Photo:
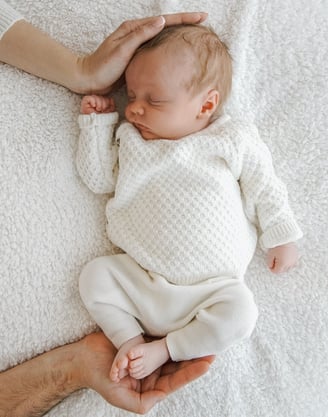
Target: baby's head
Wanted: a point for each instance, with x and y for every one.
(178, 82)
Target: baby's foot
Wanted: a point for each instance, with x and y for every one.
(146, 357)
(120, 366)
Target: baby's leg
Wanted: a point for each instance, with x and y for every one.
(230, 319)
(145, 358)
(121, 363)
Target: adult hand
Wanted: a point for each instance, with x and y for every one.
(139, 396)
(102, 70)
(35, 386)
(30, 49)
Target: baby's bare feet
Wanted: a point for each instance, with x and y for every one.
(120, 366)
(145, 358)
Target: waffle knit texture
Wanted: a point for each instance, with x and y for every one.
(186, 209)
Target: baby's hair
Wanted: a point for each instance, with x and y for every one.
(212, 61)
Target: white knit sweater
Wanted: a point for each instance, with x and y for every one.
(186, 209)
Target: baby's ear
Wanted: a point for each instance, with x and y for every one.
(210, 104)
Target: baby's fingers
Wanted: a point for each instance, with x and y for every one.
(88, 104)
(278, 266)
(108, 105)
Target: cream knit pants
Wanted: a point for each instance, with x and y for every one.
(198, 320)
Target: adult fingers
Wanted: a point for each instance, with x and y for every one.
(155, 23)
(131, 34)
(130, 26)
(146, 28)
(190, 17)
(190, 371)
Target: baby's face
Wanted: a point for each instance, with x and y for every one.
(160, 106)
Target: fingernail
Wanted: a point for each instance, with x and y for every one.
(159, 22)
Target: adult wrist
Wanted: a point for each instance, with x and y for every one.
(80, 79)
(89, 79)
(37, 385)
(67, 370)
(84, 80)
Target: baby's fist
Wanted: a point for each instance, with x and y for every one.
(97, 104)
(282, 258)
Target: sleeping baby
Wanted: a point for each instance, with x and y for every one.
(191, 190)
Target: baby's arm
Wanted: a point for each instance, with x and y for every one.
(97, 155)
(282, 258)
(266, 201)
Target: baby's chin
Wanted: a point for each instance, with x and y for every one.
(148, 135)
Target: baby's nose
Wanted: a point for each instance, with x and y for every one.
(136, 108)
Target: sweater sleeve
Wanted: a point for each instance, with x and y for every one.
(97, 154)
(8, 16)
(265, 196)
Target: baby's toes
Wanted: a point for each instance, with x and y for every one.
(137, 372)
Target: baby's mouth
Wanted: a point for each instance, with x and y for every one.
(140, 126)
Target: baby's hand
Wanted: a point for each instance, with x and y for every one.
(97, 104)
(282, 258)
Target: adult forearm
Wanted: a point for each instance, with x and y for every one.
(33, 388)
(28, 48)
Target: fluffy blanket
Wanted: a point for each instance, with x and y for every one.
(51, 224)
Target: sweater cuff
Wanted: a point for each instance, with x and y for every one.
(9, 16)
(280, 235)
(94, 119)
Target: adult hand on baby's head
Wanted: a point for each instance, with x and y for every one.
(101, 71)
(97, 104)
(282, 258)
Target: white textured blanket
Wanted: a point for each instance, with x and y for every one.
(51, 224)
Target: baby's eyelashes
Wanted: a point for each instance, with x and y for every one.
(156, 102)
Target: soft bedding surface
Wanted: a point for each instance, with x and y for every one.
(51, 224)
